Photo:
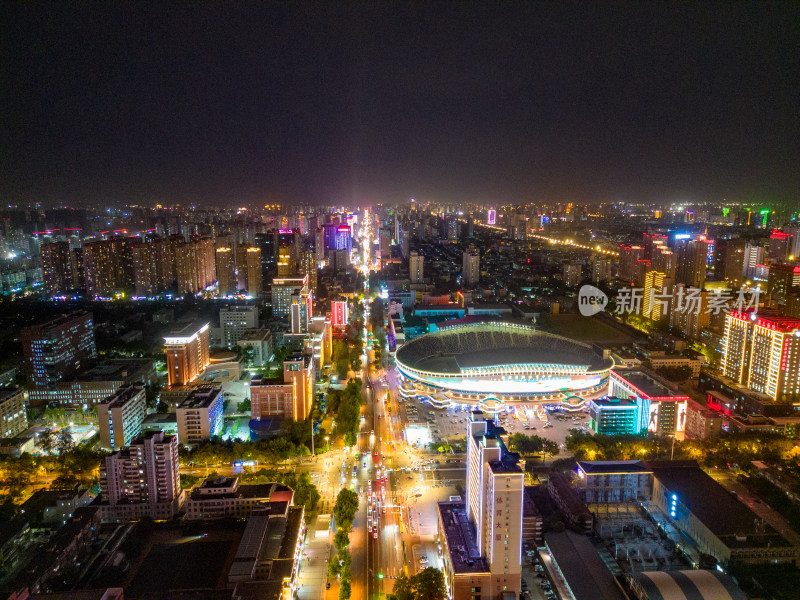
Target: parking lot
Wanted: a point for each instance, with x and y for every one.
(449, 423)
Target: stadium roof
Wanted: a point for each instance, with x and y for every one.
(685, 585)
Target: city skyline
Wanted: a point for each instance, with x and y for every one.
(357, 105)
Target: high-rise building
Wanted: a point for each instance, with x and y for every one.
(337, 237)
(415, 267)
(774, 367)
(308, 267)
(491, 530)
(628, 257)
(301, 311)
(142, 480)
(226, 272)
(736, 345)
(56, 267)
(286, 264)
(152, 267)
(195, 268)
(59, 348)
(729, 260)
(650, 241)
(187, 352)
(199, 416)
(691, 263)
(385, 239)
(283, 288)
(453, 228)
(235, 321)
(689, 311)
(663, 260)
(572, 273)
(253, 266)
(780, 244)
(656, 296)
(471, 267)
(781, 279)
(601, 269)
(794, 248)
(13, 417)
(753, 256)
(101, 268)
(405, 239)
(120, 416)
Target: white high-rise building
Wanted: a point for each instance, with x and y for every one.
(142, 480)
(471, 265)
(753, 255)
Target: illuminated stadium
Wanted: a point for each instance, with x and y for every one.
(491, 363)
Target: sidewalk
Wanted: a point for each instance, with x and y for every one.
(312, 573)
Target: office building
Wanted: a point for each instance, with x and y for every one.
(235, 321)
(491, 521)
(57, 349)
(729, 260)
(188, 355)
(283, 289)
(226, 272)
(689, 310)
(572, 274)
(385, 241)
(471, 267)
(774, 366)
(340, 313)
(225, 498)
(416, 267)
(628, 257)
(337, 237)
(93, 385)
(120, 416)
(736, 345)
(692, 259)
(663, 409)
(13, 418)
(780, 281)
(617, 416)
(142, 480)
(702, 422)
(289, 396)
(199, 416)
(258, 347)
(56, 267)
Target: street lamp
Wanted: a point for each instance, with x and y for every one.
(326, 442)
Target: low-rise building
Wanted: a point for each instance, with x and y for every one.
(577, 568)
(617, 416)
(173, 395)
(701, 421)
(717, 523)
(225, 497)
(120, 416)
(258, 346)
(290, 396)
(466, 571)
(605, 481)
(569, 501)
(532, 521)
(199, 416)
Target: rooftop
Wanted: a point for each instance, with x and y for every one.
(202, 398)
(123, 395)
(648, 383)
(461, 538)
(713, 505)
(115, 369)
(597, 467)
(583, 569)
(700, 584)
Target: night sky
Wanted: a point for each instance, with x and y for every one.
(303, 103)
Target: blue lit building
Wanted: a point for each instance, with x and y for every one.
(200, 416)
(615, 416)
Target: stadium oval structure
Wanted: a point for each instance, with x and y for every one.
(476, 363)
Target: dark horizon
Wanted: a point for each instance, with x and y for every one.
(328, 104)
